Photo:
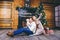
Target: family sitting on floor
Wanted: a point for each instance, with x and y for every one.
(33, 27)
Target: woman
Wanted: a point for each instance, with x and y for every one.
(30, 29)
(39, 26)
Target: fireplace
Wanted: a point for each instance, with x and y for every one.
(23, 14)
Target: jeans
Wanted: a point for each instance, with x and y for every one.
(25, 30)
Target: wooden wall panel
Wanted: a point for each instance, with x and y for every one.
(16, 3)
(34, 3)
(19, 3)
(5, 15)
(49, 10)
(14, 16)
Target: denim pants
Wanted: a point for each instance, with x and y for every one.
(25, 30)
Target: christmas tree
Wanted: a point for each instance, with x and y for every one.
(40, 10)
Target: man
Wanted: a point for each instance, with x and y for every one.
(30, 29)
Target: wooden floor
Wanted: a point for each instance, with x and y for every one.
(3, 36)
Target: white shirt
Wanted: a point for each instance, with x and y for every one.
(32, 27)
(40, 28)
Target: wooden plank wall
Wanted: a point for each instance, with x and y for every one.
(49, 10)
(5, 14)
(16, 3)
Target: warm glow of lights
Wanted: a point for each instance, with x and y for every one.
(5, 13)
